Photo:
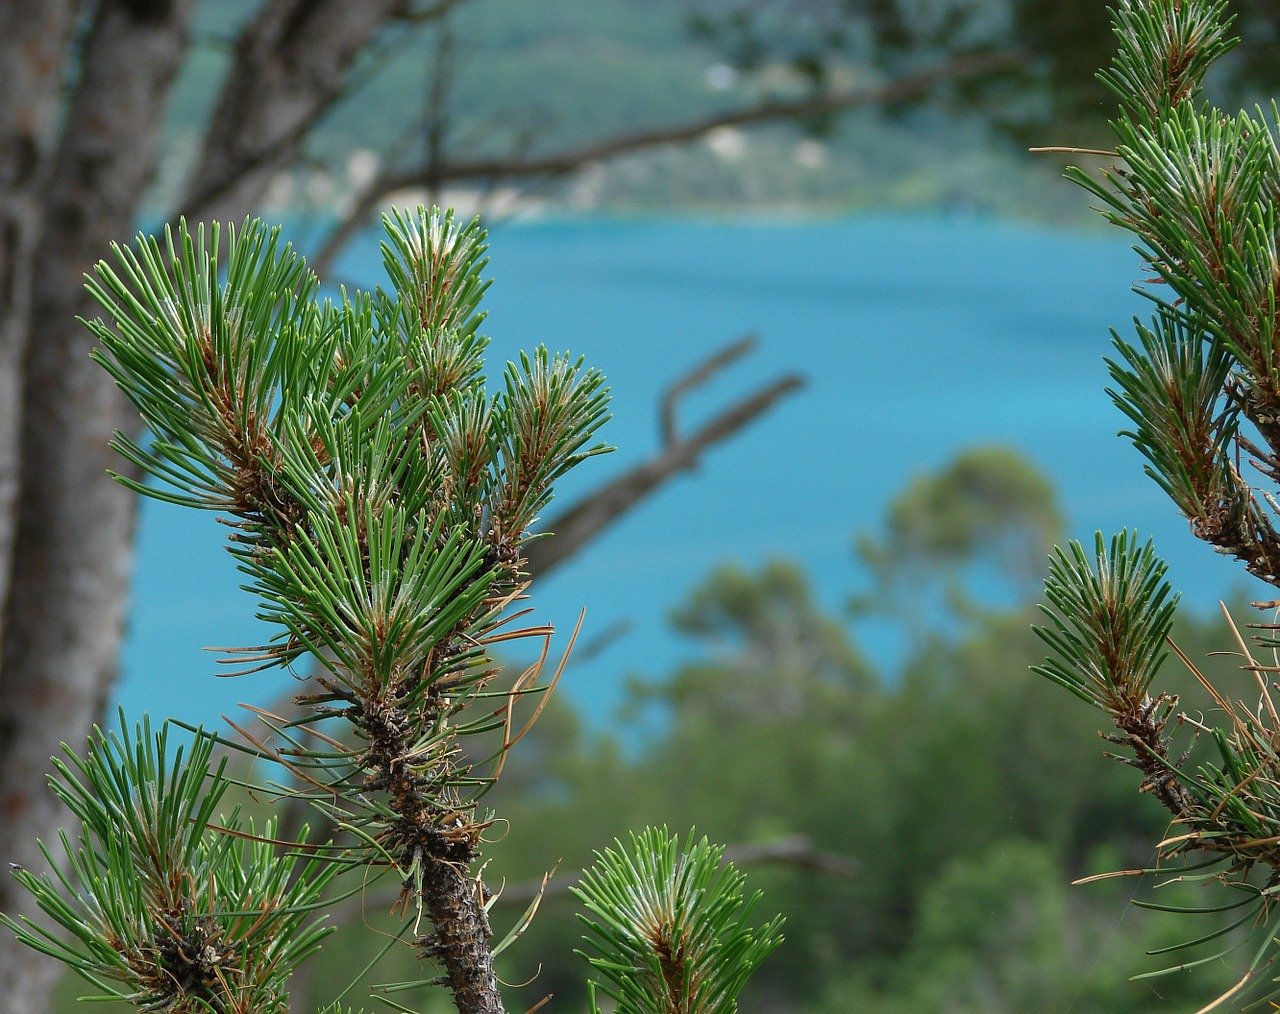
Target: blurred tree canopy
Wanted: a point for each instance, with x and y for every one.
(961, 793)
(943, 784)
(989, 509)
(1060, 46)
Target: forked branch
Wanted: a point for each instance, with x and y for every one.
(581, 523)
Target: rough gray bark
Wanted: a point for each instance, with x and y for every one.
(74, 540)
(460, 940)
(33, 46)
(291, 63)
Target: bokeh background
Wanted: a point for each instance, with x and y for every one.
(811, 638)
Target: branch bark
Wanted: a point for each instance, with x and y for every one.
(695, 378)
(578, 525)
(904, 89)
(794, 850)
(291, 63)
(73, 548)
(34, 37)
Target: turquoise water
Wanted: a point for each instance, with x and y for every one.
(919, 337)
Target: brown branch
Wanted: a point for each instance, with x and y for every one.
(439, 95)
(361, 210)
(695, 378)
(291, 63)
(276, 92)
(433, 125)
(239, 155)
(1236, 523)
(904, 89)
(585, 520)
(795, 850)
(432, 12)
(603, 641)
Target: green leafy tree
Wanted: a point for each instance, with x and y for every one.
(952, 766)
(1197, 187)
(989, 513)
(379, 499)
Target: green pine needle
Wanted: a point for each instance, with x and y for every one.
(167, 901)
(668, 926)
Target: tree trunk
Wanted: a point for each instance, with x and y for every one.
(74, 540)
(33, 44)
(291, 63)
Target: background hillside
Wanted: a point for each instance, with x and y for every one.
(536, 76)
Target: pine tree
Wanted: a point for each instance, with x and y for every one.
(379, 500)
(1200, 383)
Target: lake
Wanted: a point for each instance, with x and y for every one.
(919, 336)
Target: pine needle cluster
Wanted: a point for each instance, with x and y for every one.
(1200, 383)
(668, 927)
(379, 500)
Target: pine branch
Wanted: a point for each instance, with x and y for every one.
(1201, 388)
(380, 501)
(1108, 626)
(170, 903)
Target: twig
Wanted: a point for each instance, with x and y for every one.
(696, 377)
(568, 160)
(794, 850)
(582, 522)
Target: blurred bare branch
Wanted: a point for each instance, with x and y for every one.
(696, 377)
(522, 166)
(603, 641)
(794, 850)
(585, 520)
(290, 64)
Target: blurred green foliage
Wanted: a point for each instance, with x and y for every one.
(966, 793)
